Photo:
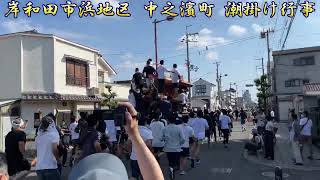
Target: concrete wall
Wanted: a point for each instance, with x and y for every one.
(285, 70)
(61, 50)
(10, 68)
(122, 91)
(38, 64)
(284, 109)
(197, 103)
(29, 108)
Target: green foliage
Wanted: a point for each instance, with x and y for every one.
(109, 98)
(263, 86)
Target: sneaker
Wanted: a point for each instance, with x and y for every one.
(182, 173)
(298, 164)
(198, 161)
(171, 173)
(192, 163)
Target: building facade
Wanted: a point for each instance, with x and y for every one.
(48, 74)
(292, 69)
(204, 95)
(229, 98)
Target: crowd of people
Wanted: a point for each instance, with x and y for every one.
(264, 139)
(159, 122)
(263, 135)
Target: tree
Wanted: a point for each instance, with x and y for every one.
(109, 98)
(263, 93)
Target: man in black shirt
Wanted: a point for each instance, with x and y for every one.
(15, 147)
(236, 113)
(149, 73)
(210, 123)
(137, 78)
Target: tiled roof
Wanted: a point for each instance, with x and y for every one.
(311, 89)
(59, 97)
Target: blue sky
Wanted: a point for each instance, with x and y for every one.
(127, 42)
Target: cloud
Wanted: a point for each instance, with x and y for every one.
(212, 55)
(205, 31)
(129, 61)
(12, 26)
(257, 28)
(205, 38)
(237, 30)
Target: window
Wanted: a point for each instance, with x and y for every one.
(201, 89)
(77, 73)
(296, 82)
(304, 61)
(101, 77)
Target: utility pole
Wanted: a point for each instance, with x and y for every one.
(218, 79)
(188, 57)
(262, 65)
(266, 34)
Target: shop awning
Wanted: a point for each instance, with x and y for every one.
(311, 89)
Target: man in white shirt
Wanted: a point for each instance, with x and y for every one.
(175, 76)
(188, 133)
(199, 126)
(47, 150)
(173, 138)
(225, 122)
(306, 133)
(272, 114)
(146, 135)
(161, 70)
(182, 97)
(74, 138)
(157, 127)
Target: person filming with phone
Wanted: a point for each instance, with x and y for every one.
(100, 166)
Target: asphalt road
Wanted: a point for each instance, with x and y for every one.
(225, 164)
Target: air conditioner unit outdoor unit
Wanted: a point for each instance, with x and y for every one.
(93, 91)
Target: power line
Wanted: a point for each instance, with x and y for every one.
(289, 27)
(216, 45)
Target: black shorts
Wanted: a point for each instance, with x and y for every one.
(161, 85)
(191, 141)
(135, 170)
(157, 149)
(175, 85)
(185, 152)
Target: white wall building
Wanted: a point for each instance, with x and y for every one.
(47, 72)
(229, 98)
(203, 95)
(247, 101)
(293, 69)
